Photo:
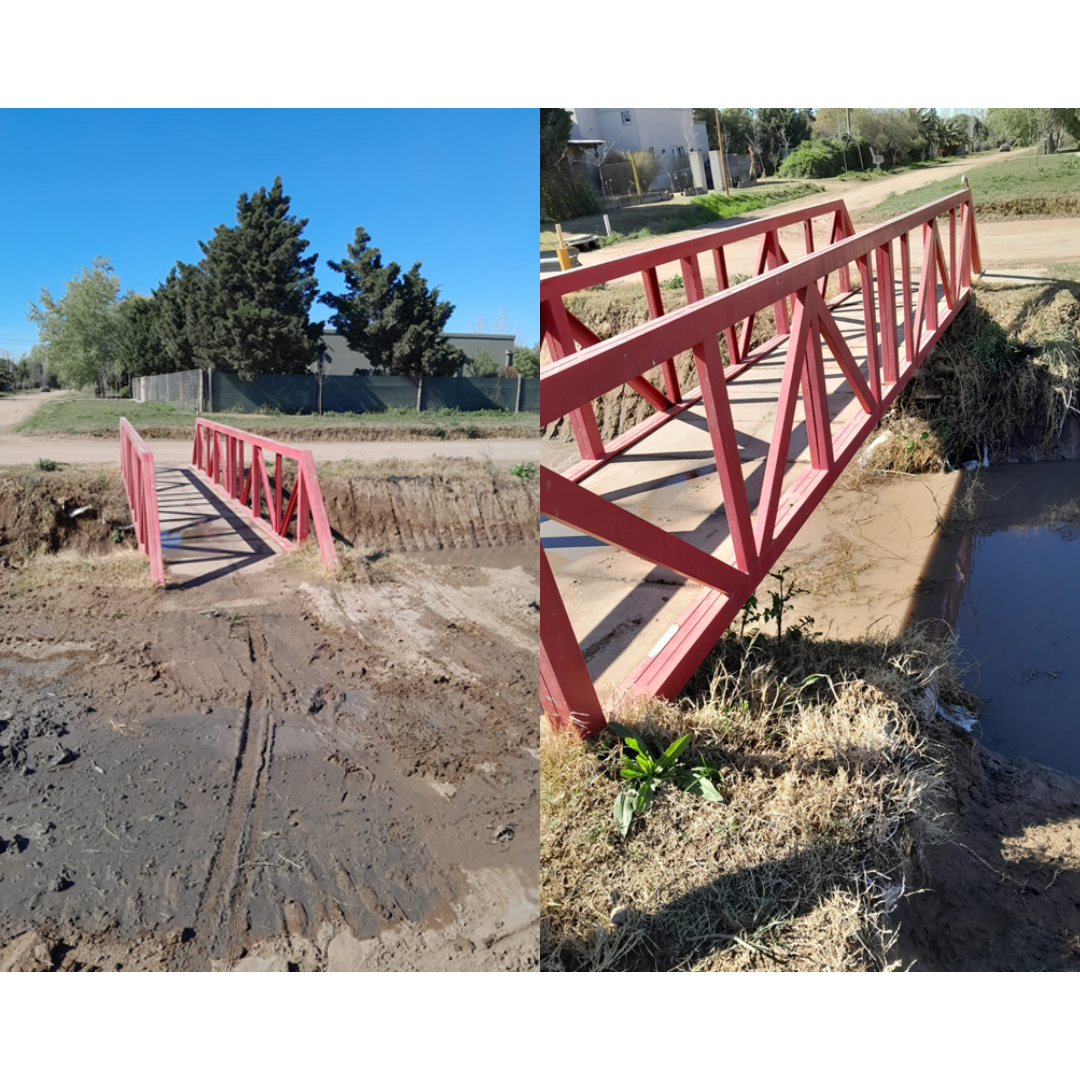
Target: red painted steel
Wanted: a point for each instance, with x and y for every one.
(219, 454)
(563, 332)
(571, 383)
(137, 467)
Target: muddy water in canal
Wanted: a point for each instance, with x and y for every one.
(996, 555)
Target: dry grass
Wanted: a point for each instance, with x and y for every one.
(1004, 379)
(120, 570)
(831, 789)
(437, 469)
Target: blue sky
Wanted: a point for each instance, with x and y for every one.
(453, 189)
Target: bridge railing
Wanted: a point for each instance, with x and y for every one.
(235, 463)
(137, 468)
(898, 340)
(563, 332)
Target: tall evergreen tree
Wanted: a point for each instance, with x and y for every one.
(395, 320)
(249, 311)
(139, 344)
(177, 314)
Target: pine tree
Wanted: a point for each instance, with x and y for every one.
(177, 314)
(249, 311)
(396, 321)
(140, 350)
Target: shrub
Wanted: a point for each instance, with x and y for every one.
(820, 158)
(564, 196)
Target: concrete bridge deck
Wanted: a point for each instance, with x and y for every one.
(202, 536)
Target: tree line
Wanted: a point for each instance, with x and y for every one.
(245, 308)
(816, 143)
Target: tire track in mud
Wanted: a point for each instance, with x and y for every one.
(220, 919)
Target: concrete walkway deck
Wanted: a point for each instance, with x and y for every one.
(202, 536)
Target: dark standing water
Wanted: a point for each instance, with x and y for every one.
(1013, 595)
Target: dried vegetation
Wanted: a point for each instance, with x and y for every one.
(832, 783)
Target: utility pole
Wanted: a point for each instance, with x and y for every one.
(720, 147)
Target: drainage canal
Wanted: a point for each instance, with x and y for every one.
(1010, 585)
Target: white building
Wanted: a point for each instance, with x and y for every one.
(670, 134)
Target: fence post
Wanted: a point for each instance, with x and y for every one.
(517, 396)
(420, 392)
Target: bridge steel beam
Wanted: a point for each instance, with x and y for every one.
(575, 379)
(219, 454)
(137, 468)
(563, 332)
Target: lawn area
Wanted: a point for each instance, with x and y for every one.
(1029, 185)
(681, 212)
(98, 417)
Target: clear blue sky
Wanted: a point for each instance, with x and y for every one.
(454, 190)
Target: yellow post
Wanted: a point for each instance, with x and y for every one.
(633, 165)
(561, 249)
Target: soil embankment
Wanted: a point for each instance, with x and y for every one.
(465, 507)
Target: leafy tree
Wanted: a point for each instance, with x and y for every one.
(484, 364)
(526, 362)
(555, 125)
(31, 369)
(81, 328)
(1025, 127)
(776, 131)
(247, 308)
(393, 319)
(891, 133)
(736, 125)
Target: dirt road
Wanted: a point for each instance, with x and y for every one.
(1028, 244)
(83, 450)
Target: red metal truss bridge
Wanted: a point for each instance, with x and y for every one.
(653, 542)
(216, 517)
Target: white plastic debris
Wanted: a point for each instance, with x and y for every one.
(883, 437)
(958, 715)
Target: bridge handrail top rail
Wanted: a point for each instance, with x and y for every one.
(582, 277)
(128, 428)
(259, 441)
(639, 347)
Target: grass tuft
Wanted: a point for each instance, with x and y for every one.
(831, 787)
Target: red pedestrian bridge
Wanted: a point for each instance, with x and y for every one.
(232, 509)
(653, 542)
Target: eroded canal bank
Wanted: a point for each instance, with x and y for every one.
(994, 555)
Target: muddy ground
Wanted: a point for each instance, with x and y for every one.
(1003, 893)
(277, 770)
